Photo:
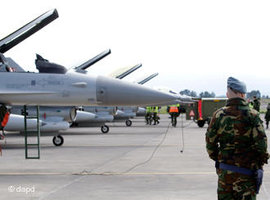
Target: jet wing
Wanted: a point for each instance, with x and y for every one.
(27, 30)
(123, 72)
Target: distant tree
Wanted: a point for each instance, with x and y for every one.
(188, 93)
(253, 93)
(207, 94)
(193, 94)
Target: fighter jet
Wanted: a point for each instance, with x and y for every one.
(58, 118)
(55, 85)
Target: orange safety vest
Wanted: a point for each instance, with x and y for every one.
(173, 109)
(5, 120)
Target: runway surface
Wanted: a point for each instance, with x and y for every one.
(135, 163)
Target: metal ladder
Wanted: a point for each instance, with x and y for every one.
(29, 146)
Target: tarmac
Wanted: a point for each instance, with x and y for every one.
(139, 162)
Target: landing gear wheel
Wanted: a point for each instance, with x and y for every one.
(58, 140)
(105, 129)
(128, 122)
(201, 123)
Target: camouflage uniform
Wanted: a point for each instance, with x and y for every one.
(256, 104)
(267, 116)
(236, 137)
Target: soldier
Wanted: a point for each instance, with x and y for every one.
(236, 141)
(267, 115)
(256, 103)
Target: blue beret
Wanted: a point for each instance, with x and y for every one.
(236, 85)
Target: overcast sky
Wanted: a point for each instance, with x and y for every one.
(193, 44)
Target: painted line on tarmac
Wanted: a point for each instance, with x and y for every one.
(127, 145)
(145, 173)
(107, 173)
(7, 146)
(31, 174)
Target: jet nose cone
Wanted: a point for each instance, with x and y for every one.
(120, 93)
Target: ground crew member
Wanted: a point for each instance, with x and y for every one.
(4, 116)
(267, 115)
(256, 103)
(148, 115)
(174, 112)
(250, 103)
(236, 141)
(155, 115)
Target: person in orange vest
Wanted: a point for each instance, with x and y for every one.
(4, 116)
(174, 112)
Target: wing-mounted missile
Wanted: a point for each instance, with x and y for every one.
(27, 30)
(144, 80)
(82, 68)
(44, 66)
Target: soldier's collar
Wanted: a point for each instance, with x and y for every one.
(236, 101)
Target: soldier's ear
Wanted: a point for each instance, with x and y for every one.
(242, 95)
(227, 94)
